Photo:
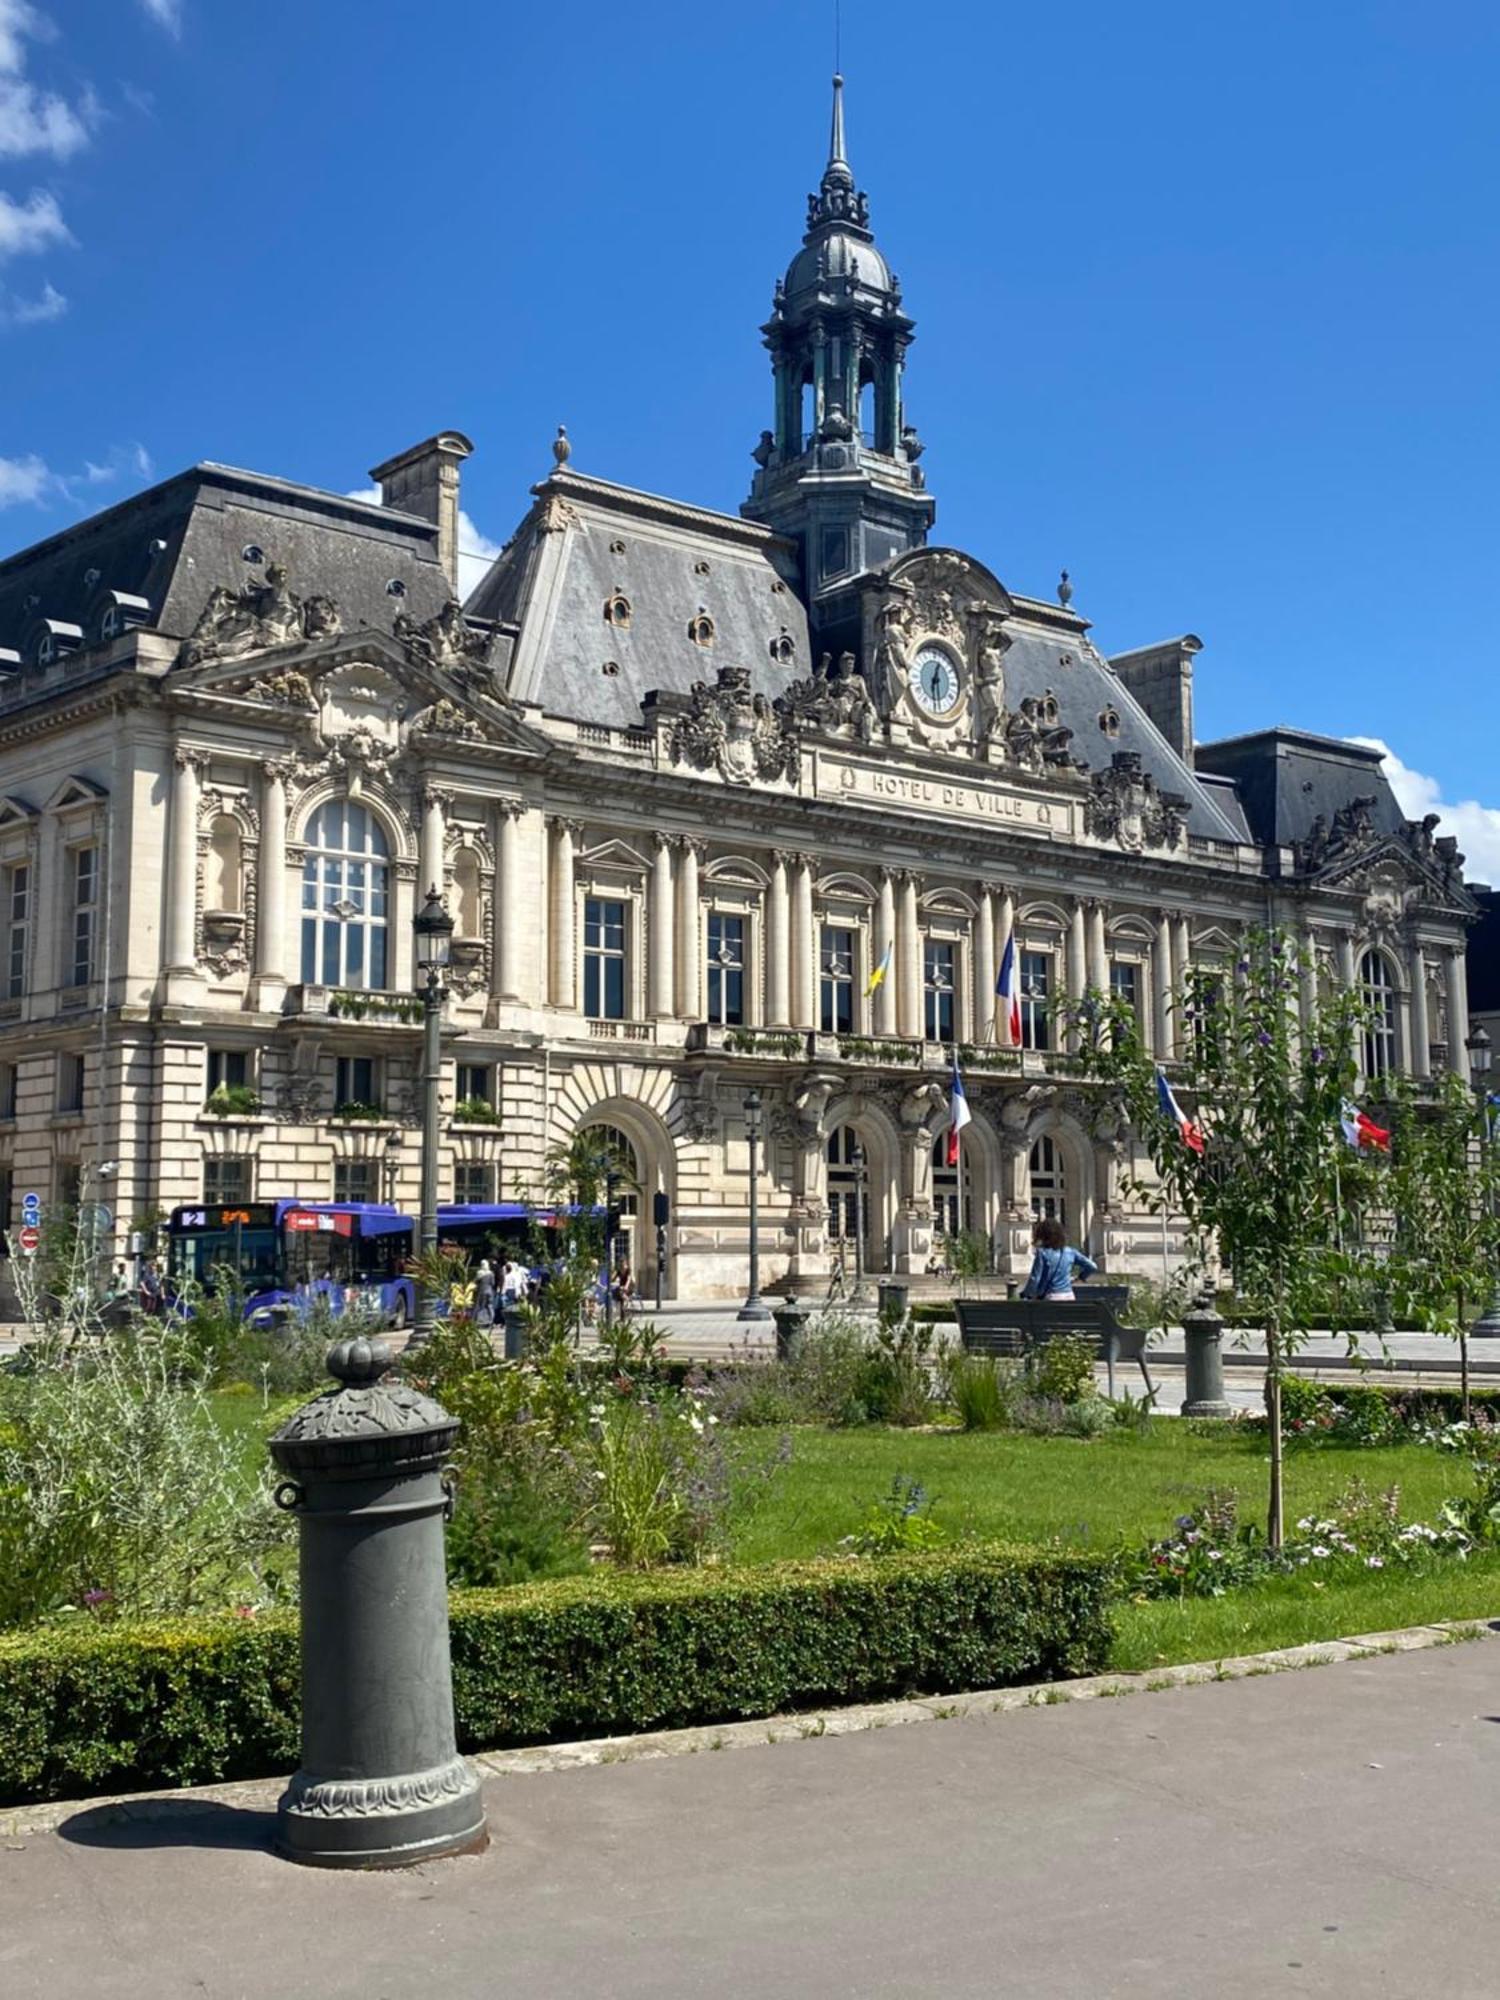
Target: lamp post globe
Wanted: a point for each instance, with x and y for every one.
(755, 1307)
(1480, 1052)
(432, 933)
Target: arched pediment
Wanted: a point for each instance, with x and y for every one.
(847, 888)
(736, 872)
(947, 903)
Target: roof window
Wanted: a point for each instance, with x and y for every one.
(617, 611)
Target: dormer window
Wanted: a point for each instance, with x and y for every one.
(617, 611)
(701, 628)
(1109, 721)
(121, 612)
(783, 649)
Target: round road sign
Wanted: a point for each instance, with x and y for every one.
(30, 1238)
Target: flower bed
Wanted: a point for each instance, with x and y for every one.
(191, 1701)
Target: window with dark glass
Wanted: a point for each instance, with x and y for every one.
(948, 1217)
(1049, 1187)
(225, 1178)
(228, 1069)
(85, 899)
(70, 1081)
(937, 982)
(356, 1080)
(345, 898)
(1378, 992)
(17, 910)
(836, 963)
(9, 1079)
(354, 1180)
(726, 969)
(604, 959)
(1036, 992)
(846, 1193)
(69, 1183)
(473, 1180)
(476, 1084)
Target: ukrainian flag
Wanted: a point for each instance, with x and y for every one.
(880, 971)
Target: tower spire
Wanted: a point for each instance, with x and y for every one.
(837, 157)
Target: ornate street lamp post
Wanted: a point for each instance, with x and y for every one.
(754, 1307)
(1487, 1326)
(433, 930)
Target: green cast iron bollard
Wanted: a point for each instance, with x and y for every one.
(1203, 1391)
(381, 1783)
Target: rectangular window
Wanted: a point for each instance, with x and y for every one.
(937, 984)
(70, 1080)
(476, 1084)
(225, 1179)
(85, 900)
(228, 1069)
(7, 1198)
(9, 1078)
(356, 1080)
(354, 1180)
(1125, 984)
(69, 1183)
(1036, 991)
(473, 1181)
(17, 911)
(726, 969)
(603, 959)
(836, 963)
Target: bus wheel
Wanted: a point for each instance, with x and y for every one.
(398, 1316)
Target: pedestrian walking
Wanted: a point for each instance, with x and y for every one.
(152, 1296)
(1054, 1264)
(484, 1293)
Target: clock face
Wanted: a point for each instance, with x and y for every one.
(933, 681)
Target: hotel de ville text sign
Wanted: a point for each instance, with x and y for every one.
(973, 801)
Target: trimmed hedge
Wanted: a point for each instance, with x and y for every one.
(194, 1701)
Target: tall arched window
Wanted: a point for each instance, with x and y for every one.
(345, 898)
(948, 1219)
(1049, 1186)
(845, 1175)
(1378, 992)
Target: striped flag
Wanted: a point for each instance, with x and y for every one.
(878, 975)
(1362, 1131)
(959, 1114)
(1192, 1135)
(1008, 989)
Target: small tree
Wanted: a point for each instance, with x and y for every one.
(1441, 1186)
(1264, 1089)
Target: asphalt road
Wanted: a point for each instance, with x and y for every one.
(1329, 1832)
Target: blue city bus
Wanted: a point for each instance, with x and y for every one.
(284, 1254)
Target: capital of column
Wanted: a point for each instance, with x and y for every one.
(690, 844)
(186, 759)
(561, 823)
(439, 796)
(509, 808)
(277, 770)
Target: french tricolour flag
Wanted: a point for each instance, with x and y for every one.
(1361, 1130)
(1008, 988)
(1192, 1135)
(959, 1114)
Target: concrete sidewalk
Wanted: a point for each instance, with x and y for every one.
(1322, 1833)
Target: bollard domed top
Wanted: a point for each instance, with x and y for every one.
(372, 1424)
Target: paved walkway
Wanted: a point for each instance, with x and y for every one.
(1328, 1833)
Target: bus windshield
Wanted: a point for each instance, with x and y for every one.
(252, 1258)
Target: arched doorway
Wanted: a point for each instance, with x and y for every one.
(625, 1163)
(1047, 1166)
(951, 1214)
(848, 1196)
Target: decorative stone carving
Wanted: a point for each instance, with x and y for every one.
(834, 700)
(235, 623)
(1035, 738)
(555, 514)
(288, 689)
(937, 581)
(700, 1118)
(734, 731)
(991, 643)
(808, 1099)
(1354, 835)
(1126, 805)
(446, 718)
(448, 643)
(299, 1098)
(894, 630)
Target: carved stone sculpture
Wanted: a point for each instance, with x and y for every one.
(734, 731)
(834, 700)
(236, 623)
(446, 718)
(1126, 805)
(992, 644)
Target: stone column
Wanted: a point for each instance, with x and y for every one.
(1162, 1019)
(430, 855)
(778, 948)
(182, 912)
(564, 980)
(1421, 1031)
(689, 926)
(1307, 978)
(270, 920)
(984, 968)
(1005, 930)
(509, 903)
(660, 956)
(1344, 947)
(885, 939)
(804, 945)
(1458, 1011)
(908, 956)
(1098, 955)
(1182, 965)
(1076, 970)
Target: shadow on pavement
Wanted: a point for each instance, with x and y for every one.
(171, 1823)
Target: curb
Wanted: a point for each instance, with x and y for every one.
(261, 1794)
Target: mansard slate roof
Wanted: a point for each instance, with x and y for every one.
(587, 544)
(1287, 779)
(172, 544)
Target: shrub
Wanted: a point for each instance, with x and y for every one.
(189, 1703)
(983, 1391)
(1064, 1369)
(892, 1383)
(899, 1520)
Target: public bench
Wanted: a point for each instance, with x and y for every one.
(1022, 1327)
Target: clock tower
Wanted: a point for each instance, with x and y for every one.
(839, 473)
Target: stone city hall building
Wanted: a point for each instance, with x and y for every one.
(686, 781)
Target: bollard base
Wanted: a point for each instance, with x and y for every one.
(382, 1822)
(1209, 1409)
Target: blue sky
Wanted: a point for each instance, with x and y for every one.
(1208, 298)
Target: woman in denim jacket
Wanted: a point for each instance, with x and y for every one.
(1055, 1262)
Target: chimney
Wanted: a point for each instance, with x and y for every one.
(424, 481)
(1161, 679)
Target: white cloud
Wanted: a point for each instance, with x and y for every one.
(49, 304)
(31, 225)
(24, 481)
(31, 482)
(166, 14)
(475, 549)
(1476, 827)
(33, 120)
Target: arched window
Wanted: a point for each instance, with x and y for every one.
(345, 898)
(1378, 992)
(225, 886)
(948, 1219)
(1049, 1185)
(625, 1161)
(845, 1173)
